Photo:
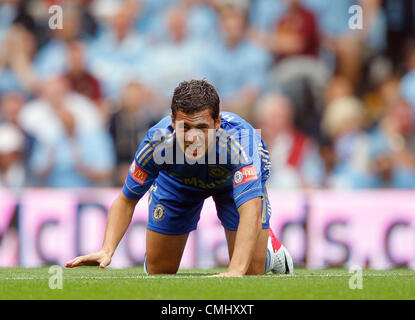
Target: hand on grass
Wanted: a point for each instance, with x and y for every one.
(101, 259)
(227, 275)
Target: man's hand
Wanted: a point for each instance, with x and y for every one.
(100, 258)
(227, 275)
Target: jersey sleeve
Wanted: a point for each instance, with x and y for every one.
(247, 180)
(144, 169)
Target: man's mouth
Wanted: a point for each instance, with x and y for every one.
(194, 150)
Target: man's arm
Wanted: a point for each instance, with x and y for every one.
(247, 235)
(119, 218)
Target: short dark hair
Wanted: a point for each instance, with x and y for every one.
(195, 96)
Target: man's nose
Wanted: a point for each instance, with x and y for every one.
(192, 136)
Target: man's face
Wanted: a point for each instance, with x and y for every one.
(233, 25)
(55, 89)
(195, 132)
(11, 104)
(177, 24)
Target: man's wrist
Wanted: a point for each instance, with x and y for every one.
(236, 273)
(235, 268)
(107, 251)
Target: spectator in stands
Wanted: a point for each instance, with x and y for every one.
(338, 87)
(12, 169)
(341, 45)
(295, 159)
(264, 15)
(80, 78)
(176, 59)
(128, 126)
(408, 81)
(114, 57)
(16, 61)
(296, 33)
(330, 161)
(298, 71)
(341, 123)
(380, 72)
(203, 20)
(399, 16)
(11, 105)
(236, 66)
(8, 12)
(150, 20)
(72, 148)
(52, 57)
(393, 146)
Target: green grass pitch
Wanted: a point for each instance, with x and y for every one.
(132, 283)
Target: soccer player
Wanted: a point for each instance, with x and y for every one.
(195, 153)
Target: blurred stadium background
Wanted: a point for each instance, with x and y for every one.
(336, 107)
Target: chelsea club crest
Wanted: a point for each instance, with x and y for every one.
(159, 212)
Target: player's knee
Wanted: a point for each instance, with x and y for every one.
(256, 268)
(255, 271)
(161, 268)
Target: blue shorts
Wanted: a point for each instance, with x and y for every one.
(179, 213)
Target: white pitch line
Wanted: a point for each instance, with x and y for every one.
(207, 276)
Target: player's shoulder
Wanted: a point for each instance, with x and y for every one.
(231, 121)
(159, 136)
(239, 136)
(160, 130)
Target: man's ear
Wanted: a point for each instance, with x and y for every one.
(172, 121)
(218, 122)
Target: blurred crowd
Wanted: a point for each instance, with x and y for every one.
(335, 103)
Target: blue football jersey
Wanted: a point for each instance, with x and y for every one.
(239, 160)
